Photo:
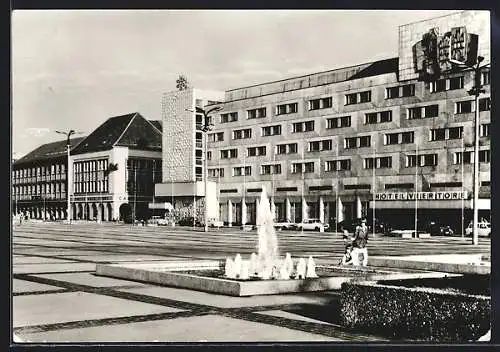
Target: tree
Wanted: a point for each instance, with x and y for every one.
(182, 83)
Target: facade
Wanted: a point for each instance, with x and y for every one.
(385, 137)
(183, 152)
(39, 182)
(114, 170)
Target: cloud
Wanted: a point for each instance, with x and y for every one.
(36, 132)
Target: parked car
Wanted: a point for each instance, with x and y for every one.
(284, 225)
(484, 229)
(311, 225)
(189, 221)
(162, 222)
(439, 229)
(215, 223)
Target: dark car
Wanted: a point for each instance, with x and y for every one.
(188, 221)
(436, 229)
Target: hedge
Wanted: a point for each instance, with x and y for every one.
(423, 314)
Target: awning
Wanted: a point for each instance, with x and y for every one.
(483, 204)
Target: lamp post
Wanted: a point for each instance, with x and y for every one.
(68, 173)
(205, 128)
(475, 91)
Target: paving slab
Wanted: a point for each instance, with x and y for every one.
(38, 260)
(208, 328)
(222, 301)
(19, 286)
(102, 257)
(89, 279)
(61, 307)
(39, 268)
(288, 315)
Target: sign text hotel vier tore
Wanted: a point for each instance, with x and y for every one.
(421, 196)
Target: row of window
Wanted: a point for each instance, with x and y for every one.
(51, 188)
(413, 113)
(438, 134)
(400, 91)
(39, 171)
(368, 163)
(90, 176)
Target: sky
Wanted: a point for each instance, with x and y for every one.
(73, 69)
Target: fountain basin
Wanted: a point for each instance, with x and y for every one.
(201, 275)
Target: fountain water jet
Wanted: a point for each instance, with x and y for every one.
(268, 242)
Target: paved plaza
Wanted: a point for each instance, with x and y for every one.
(57, 297)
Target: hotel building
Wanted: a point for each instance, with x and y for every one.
(342, 143)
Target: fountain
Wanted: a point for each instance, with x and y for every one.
(263, 273)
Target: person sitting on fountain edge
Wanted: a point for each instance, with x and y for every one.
(359, 243)
(348, 242)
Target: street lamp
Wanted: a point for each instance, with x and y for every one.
(205, 128)
(68, 173)
(475, 91)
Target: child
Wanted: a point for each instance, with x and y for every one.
(347, 258)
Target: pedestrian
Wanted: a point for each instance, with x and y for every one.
(348, 243)
(359, 244)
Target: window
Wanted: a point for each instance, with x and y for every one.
(456, 83)
(370, 118)
(438, 134)
(242, 171)
(242, 134)
(359, 186)
(229, 153)
(323, 103)
(338, 122)
(256, 151)
(350, 142)
(308, 126)
(281, 149)
(271, 169)
(338, 165)
(382, 162)
(209, 155)
(229, 117)
(462, 157)
(286, 109)
(407, 90)
(484, 156)
(485, 104)
(385, 116)
(314, 146)
(455, 132)
(378, 117)
(463, 107)
(484, 130)
(399, 186)
(420, 112)
(485, 77)
(297, 127)
(256, 113)
(216, 137)
(303, 167)
(364, 141)
(271, 130)
(392, 92)
(309, 167)
(303, 126)
(286, 148)
(392, 138)
(355, 98)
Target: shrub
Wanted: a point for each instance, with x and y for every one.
(414, 313)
